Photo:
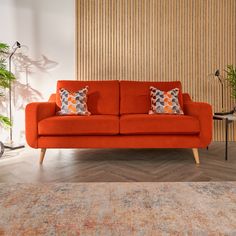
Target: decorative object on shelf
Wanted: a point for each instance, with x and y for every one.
(6, 77)
(231, 78)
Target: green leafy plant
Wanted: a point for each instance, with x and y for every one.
(6, 78)
(231, 78)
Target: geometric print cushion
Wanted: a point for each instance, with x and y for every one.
(74, 103)
(165, 102)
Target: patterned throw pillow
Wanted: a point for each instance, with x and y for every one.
(165, 102)
(74, 103)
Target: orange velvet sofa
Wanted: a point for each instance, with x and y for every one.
(119, 119)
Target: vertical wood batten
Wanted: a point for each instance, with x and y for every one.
(184, 40)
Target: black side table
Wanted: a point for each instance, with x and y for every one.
(228, 119)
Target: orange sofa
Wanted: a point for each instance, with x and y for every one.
(119, 119)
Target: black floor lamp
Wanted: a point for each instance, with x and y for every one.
(11, 143)
(220, 79)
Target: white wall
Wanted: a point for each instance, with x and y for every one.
(46, 29)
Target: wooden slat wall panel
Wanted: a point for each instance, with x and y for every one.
(159, 40)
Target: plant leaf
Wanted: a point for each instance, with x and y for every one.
(231, 78)
(6, 77)
(5, 121)
(4, 48)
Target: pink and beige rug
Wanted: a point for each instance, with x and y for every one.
(118, 209)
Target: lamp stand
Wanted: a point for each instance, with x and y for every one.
(11, 144)
(222, 112)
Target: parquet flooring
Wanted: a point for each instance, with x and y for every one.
(119, 165)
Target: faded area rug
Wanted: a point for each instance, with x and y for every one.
(118, 209)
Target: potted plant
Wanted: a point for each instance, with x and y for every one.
(5, 81)
(231, 78)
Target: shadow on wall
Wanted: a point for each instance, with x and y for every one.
(22, 92)
(25, 64)
(25, 67)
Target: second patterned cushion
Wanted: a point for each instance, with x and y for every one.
(164, 102)
(74, 103)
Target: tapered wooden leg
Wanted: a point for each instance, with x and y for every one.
(42, 154)
(196, 156)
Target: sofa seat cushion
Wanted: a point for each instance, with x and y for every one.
(79, 125)
(158, 124)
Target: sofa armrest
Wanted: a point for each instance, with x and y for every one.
(34, 112)
(52, 98)
(203, 112)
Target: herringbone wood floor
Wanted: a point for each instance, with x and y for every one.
(120, 165)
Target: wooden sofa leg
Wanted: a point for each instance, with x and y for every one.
(196, 155)
(42, 154)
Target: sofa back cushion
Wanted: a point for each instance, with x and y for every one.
(135, 96)
(103, 96)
